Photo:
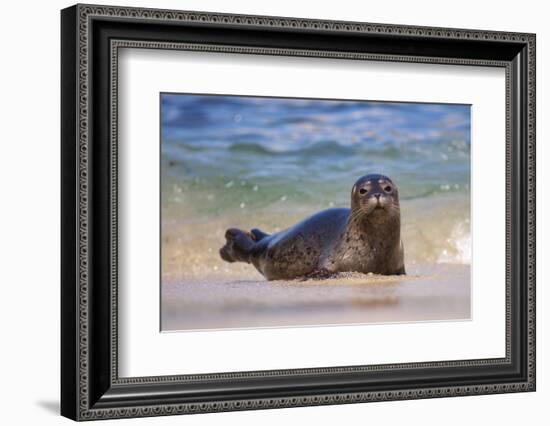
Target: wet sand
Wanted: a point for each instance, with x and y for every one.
(429, 292)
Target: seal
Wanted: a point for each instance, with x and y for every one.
(364, 238)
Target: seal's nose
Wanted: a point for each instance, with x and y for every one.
(377, 196)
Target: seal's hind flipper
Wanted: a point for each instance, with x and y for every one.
(257, 235)
(238, 246)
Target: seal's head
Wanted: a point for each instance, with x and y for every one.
(376, 198)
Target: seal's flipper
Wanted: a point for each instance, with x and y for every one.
(257, 235)
(238, 246)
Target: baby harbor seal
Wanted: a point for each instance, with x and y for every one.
(365, 238)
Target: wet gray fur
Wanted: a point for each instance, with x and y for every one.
(365, 238)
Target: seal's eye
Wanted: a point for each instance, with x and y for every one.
(363, 191)
(387, 188)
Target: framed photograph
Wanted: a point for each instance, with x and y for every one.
(263, 212)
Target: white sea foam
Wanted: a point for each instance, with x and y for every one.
(459, 250)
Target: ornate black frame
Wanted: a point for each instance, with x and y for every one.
(91, 37)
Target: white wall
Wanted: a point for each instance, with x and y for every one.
(29, 212)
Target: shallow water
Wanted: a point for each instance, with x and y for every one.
(266, 162)
(229, 161)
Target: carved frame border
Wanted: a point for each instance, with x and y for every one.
(85, 14)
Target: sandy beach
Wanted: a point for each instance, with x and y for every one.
(427, 293)
(200, 291)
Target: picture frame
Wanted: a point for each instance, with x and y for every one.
(90, 384)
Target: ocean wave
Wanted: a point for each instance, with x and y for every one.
(319, 148)
(271, 162)
(442, 153)
(459, 250)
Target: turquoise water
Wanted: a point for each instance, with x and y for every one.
(247, 157)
